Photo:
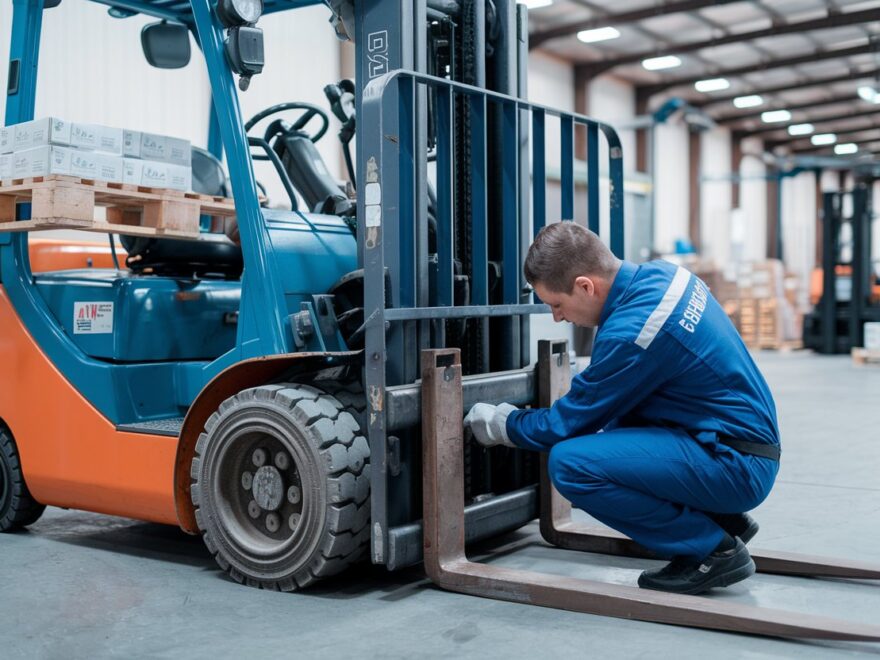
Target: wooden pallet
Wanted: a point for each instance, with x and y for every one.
(63, 202)
(863, 356)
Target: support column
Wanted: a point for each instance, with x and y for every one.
(694, 168)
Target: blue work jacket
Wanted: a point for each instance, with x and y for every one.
(665, 354)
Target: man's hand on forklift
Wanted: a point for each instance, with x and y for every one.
(488, 424)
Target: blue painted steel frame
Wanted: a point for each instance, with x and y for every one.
(389, 151)
(263, 327)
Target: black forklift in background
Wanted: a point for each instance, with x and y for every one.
(850, 294)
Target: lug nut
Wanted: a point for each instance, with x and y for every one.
(293, 521)
(247, 480)
(293, 494)
(253, 509)
(282, 462)
(259, 457)
(273, 522)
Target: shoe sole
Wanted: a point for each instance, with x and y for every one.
(725, 579)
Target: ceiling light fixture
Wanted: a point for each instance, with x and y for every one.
(712, 85)
(846, 148)
(800, 129)
(599, 34)
(823, 139)
(869, 94)
(772, 116)
(751, 101)
(663, 62)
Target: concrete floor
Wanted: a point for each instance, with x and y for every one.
(79, 585)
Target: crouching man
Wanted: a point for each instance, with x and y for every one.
(670, 435)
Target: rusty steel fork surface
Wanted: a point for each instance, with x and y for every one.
(448, 566)
(558, 528)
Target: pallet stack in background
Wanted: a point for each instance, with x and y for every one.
(53, 146)
(761, 299)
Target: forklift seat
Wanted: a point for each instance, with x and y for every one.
(172, 257)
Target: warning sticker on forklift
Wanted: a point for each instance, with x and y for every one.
(92, 318)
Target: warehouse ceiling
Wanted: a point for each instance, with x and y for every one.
(817, 59)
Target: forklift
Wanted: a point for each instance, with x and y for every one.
(848, 292)
(292, 389)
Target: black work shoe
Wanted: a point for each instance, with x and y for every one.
(682, 576)
(737, 524)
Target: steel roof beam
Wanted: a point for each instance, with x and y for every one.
(815, 82)
(656, 88)
(816, 121)
(829, 21)
(539, 37)
(732, 119)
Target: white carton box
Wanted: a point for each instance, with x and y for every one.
(5, 166)
(94, 137)
(131, 143)
(109, 167)
(7, 139)
(42, 161)
(83, 164)
(41, 132)
(872, 335)
(179, 177)
(110, 140)
(154, 174)
(153, 147)
(178, 152)
(132, 171)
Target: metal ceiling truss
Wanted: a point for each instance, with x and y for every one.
(794, 141)
(833, 20)
(776, 89)
(542, 36)
(793, 107)
(816, 121)
(818, 56)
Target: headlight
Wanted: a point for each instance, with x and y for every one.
(239, 12)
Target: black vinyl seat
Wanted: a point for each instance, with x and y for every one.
(171, 257)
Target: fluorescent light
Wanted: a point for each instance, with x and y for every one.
(800, 129)
(536, 4)
(869, 94)
(750, 101)
(772, 116)
(712, 85)
(846, 148)
(663, 62)
(599, 34)
(823, 138)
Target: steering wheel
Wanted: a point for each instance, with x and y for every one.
(309, 111)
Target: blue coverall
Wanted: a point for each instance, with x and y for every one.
(669, 375)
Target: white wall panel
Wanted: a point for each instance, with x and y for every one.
(799, 225)
(715, 195)
(613, 102)
(671, 185)
(92, 69)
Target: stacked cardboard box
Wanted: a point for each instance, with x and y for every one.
(90, 151)
(767, 312)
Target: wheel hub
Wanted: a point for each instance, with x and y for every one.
(268, 488)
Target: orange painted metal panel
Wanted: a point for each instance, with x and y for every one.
(71, 455)
(49, 254)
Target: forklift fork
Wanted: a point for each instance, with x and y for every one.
(448, 566)
(558, 528)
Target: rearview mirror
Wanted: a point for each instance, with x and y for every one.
(166, 45)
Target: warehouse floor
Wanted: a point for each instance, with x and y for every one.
(79, 585)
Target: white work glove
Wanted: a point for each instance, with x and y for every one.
(488, 424)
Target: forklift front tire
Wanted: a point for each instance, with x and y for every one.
(17, 508)
(280, 486)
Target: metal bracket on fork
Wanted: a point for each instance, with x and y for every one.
(448, 566)
(558, 528)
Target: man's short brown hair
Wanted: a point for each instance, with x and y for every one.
(564, 251)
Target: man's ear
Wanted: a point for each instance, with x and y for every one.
(585, 283)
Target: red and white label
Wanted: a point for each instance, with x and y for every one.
(92, 318)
